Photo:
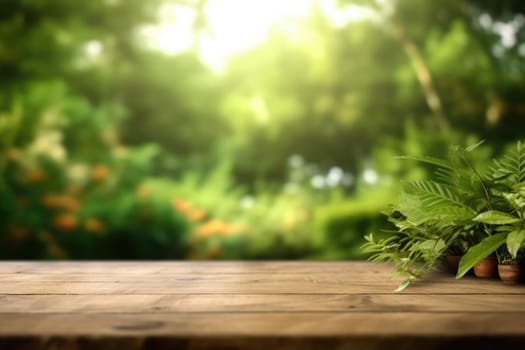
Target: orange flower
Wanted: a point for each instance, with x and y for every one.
(215, 227)
(18, 233)
(65, 222)
(196, 214)
(203, 231)
(99, 172)
(94, 225)
(181, 205)
(70, 204)
(51, 200)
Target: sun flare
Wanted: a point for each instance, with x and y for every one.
(237, 25)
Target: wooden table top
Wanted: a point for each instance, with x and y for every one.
(201, 305)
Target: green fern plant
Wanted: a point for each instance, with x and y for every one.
(477, 213)
(510, 169)
(505, 221)
(413, 248)
(433, 216)
(440, 203)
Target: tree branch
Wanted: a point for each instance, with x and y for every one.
(424, 77)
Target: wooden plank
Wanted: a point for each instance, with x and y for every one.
(192, 267)
(211, 278)
(285, 283)
(323, 277)
(275, 303)
(264, 324)
(271, 300)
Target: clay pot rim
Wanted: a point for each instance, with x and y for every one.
(490, 257)
(454, 256)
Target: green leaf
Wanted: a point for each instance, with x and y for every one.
(514, 241)
(453, 214)
(432, 245)
(518, 186)
(403, 285)
(495, 217)
(515, 199)
(433, 194)
(430, 160)
(512, 163)
(473, 147)
(504, 228)
(480, 251)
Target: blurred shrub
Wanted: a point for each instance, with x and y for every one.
(70, 189)
(227, 223)
(342, 220)
(80, 201)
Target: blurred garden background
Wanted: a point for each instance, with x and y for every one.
(238, 129)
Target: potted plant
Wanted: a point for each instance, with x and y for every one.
(486, 267)
(485, 255)
(504, 221)
(433, 218)
(461, 210)
(509, 269)
(456, 249)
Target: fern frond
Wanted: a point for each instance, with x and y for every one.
(453, 214)
(447, 176)
(433, 195)
(442, 163)
(511, 165)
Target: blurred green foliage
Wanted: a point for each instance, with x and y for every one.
(112, 150)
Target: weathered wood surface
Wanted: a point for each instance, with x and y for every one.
(235, 305)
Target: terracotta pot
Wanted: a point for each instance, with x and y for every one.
(487, 267)
(453, 263)
(509, 273)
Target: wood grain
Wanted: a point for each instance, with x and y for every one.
(193, 267)
(259, 303)
(202, 305)
(288, 282)
(281, 324)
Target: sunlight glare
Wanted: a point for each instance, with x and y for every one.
(93, 48)
(238, 25)
(370, 176)
(174, 34)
